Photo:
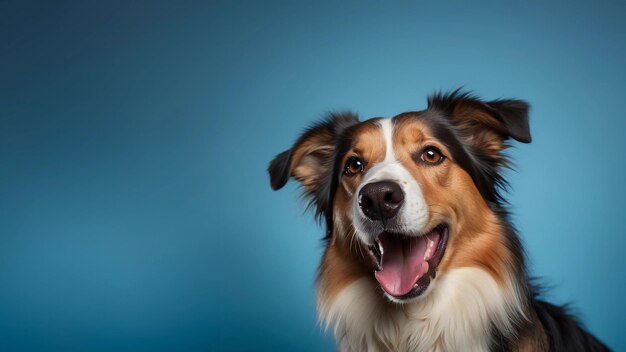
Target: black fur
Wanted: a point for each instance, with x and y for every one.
(321, 197)
(512, 113)
(279, 170)
(483, 167)
(564, 331)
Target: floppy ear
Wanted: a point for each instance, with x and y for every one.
(485, 125)
(310, 160)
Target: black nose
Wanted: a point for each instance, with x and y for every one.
(381, 200)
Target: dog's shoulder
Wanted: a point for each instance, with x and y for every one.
(563, 329)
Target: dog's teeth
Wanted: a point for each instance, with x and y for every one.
(429, 246)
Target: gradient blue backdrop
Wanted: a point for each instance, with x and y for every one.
(135, 210)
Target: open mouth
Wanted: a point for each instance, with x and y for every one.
(407, 264)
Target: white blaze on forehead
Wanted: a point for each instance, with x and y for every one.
(387, 126)
(413, 215)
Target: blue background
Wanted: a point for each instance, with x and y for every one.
(135, 210)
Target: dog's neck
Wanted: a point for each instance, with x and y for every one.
(459, 312)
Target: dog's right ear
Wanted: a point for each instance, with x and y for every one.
(310, 160)
(311, 156)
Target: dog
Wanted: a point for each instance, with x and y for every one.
(420, 254)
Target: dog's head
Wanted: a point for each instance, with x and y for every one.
(411, 196)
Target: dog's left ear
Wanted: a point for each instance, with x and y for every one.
(485, 124)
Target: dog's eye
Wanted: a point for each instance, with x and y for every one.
(354, 166)
(432, 156)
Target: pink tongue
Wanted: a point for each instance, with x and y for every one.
(403, 262)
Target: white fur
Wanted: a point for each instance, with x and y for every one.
(414, 212)
(387, 126)
(455, 315)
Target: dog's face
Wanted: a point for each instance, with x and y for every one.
(410, 197)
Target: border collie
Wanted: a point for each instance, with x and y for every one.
(420, 254)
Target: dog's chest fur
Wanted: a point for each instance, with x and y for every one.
(458, 313)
